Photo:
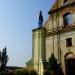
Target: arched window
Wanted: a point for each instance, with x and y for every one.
(65, 1)
(67, 19)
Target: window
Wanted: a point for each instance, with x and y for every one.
(65, 1)
(68, 42)
(67, 18)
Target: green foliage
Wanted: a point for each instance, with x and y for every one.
(19, 72)
(26, 71)
(10, 73)
(52, 62)
(0, 55)
(22, 72)
(46, 72)
(33, 72)
(3, 73)
(54, 66)
(3, 59)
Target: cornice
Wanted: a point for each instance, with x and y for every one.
(62, 7)
(61, 30)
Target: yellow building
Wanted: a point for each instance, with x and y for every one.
(56, 36)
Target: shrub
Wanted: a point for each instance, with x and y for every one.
(33, 72)
(46, 72)
(19, 72)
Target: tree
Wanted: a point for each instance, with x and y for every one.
(0, 55)
(54, 66)
(0, 60)
(52, 62)
(4, 59)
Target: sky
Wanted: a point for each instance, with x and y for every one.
(17, 19)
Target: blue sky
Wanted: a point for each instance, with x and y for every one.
(17, 19)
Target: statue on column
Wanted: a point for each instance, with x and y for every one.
(40, 22)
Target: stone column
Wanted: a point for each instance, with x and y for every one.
(38, 49)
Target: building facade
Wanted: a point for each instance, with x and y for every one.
(56, 36)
